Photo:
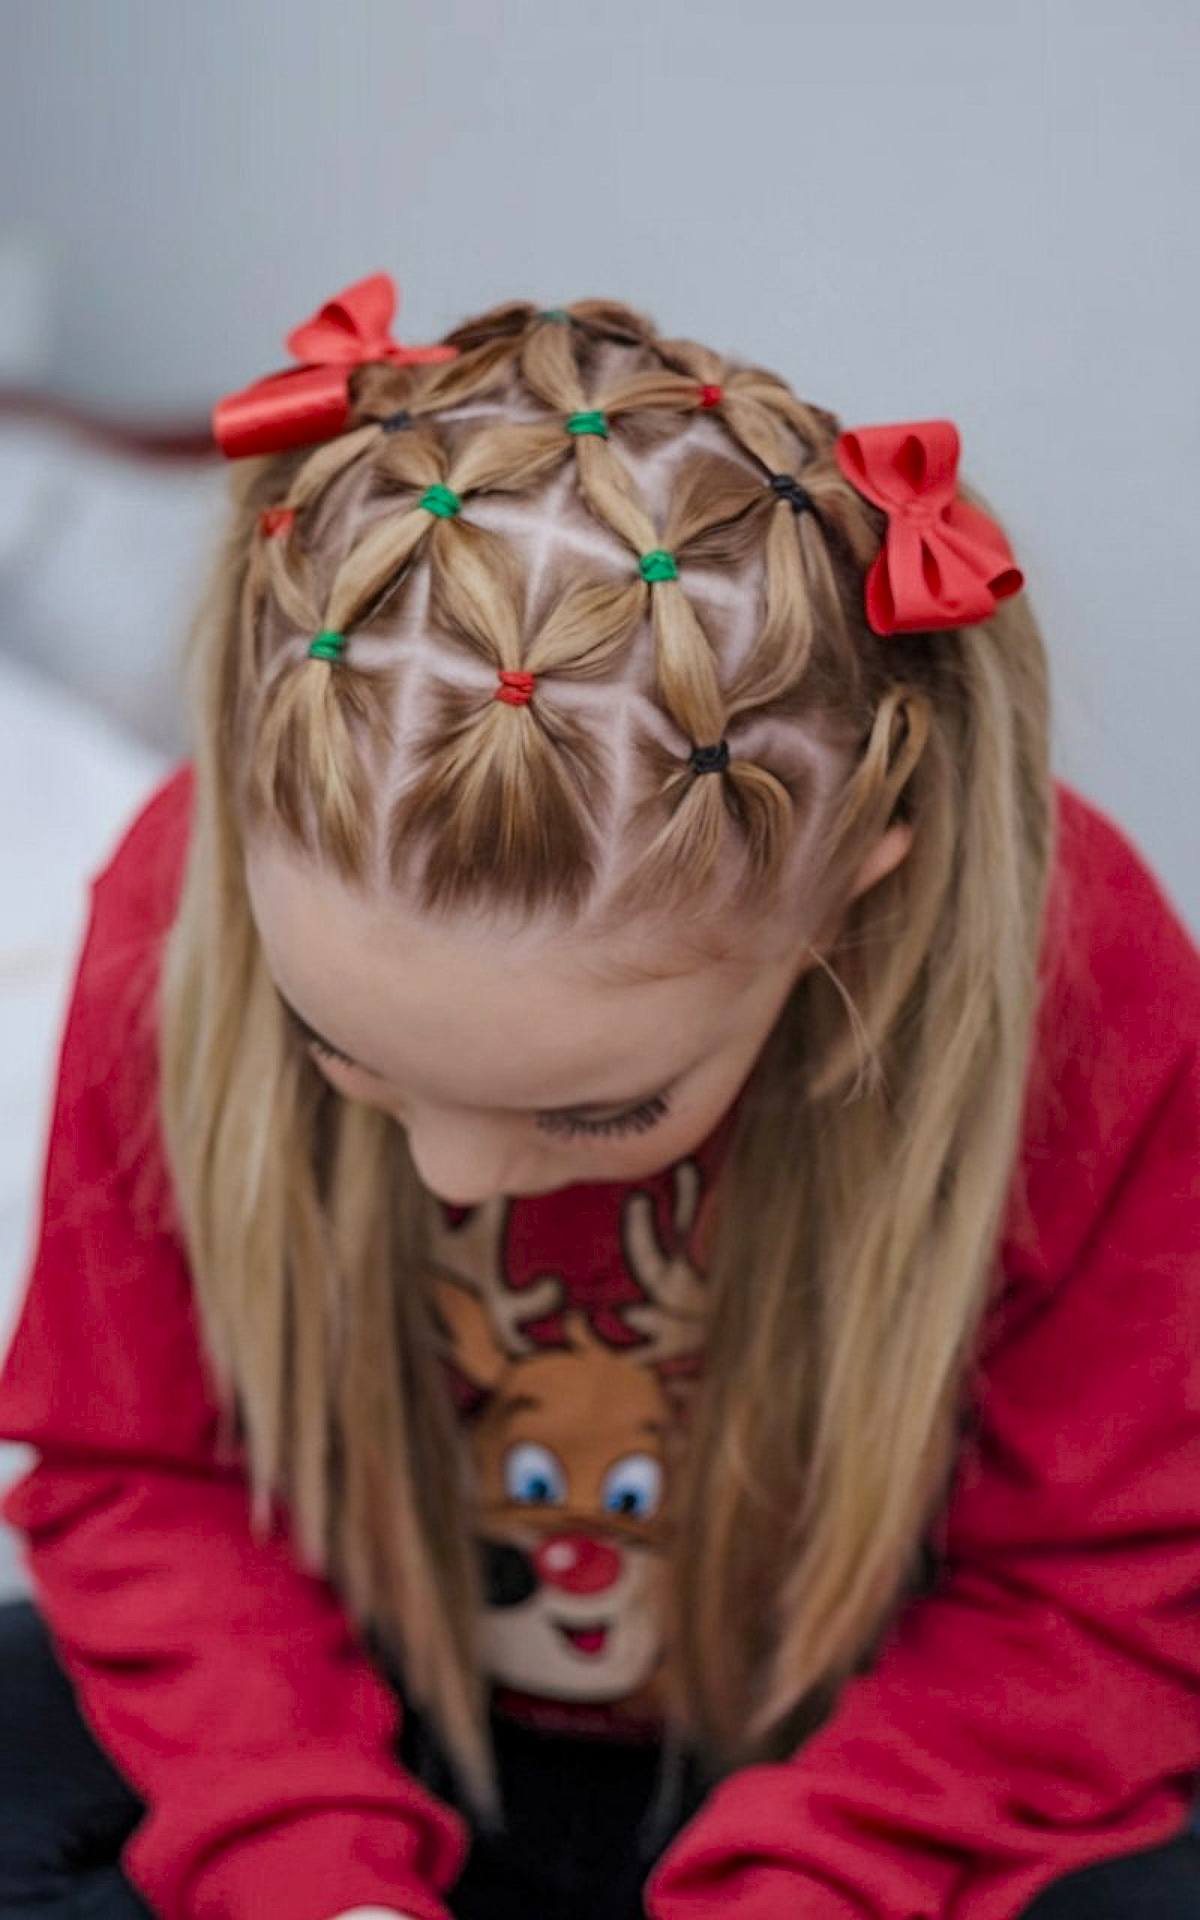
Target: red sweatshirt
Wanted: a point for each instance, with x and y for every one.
(1037, 1710)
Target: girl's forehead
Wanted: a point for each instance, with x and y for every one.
(464, 1010)
(303, 909)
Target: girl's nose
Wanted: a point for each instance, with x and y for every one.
(576, 1563)
(462, 1161)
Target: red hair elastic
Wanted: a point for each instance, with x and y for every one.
(276, 521)
(711, 396)
(944, 563)
(515, 688)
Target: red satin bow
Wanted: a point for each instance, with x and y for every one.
(302, 405)
(944, 563)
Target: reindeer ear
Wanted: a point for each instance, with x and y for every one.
(470, 1342)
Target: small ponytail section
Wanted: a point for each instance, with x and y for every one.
(309, 769)
(506, 793)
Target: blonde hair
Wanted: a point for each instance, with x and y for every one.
(859, 1204)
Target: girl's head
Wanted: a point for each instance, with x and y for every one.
(553, 796)
(551, 946)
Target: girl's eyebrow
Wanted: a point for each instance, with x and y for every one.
(588, 1107)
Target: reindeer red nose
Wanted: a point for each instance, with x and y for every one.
(576, 1563)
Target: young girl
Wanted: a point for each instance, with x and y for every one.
(616, 1320)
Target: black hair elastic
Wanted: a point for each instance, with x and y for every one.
(710, 759)
(396, 422)
(788, 488)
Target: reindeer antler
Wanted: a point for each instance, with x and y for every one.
(472, 1256)
(673, 1318)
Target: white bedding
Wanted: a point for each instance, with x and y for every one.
(69, 781)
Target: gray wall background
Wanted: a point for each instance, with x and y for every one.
(936, 208)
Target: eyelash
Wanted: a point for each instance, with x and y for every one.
(638, 1119)
(569, 1125)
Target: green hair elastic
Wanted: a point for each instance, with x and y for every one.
(327, 645)
(556, 313)
(441, 501)
(596, 423)
(658, 564)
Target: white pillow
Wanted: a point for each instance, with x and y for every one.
(69, 784)
(102, 561)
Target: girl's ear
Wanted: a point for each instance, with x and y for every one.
(886, 854)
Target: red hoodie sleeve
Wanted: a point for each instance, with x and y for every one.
(223, 1680)
(1039, 1710)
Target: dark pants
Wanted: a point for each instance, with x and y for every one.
(577, 1846)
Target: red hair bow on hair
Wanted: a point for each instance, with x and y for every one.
(311, 402)
(944, 563)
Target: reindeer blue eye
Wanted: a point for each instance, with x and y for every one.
(534, 1477)
(633, 1486)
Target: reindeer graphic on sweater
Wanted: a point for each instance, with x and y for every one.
(570, 1447)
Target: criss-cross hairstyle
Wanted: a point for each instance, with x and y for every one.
(505, 406)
